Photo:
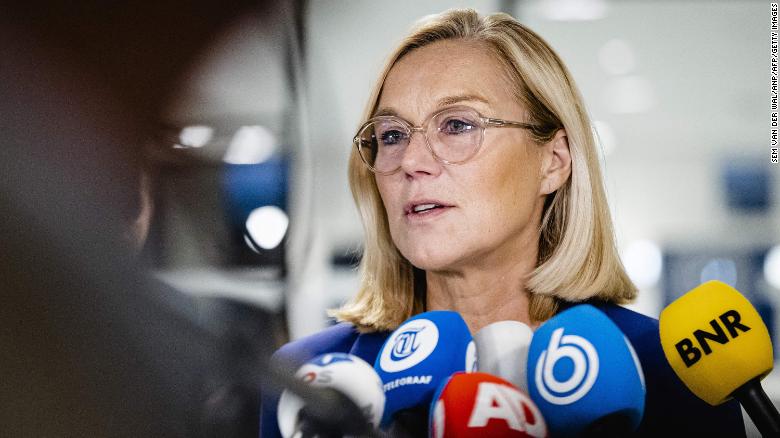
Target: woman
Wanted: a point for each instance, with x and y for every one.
(477, 179)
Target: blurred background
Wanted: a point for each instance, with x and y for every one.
(247, 168)
(251, 172)
(678, 92)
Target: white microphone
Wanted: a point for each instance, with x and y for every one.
(502, 350)
(347, 374)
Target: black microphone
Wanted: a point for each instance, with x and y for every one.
(719, 346)
(332, 395)
(328, 413)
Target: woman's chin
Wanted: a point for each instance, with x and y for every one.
(437, 261)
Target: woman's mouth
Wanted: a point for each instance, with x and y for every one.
(424, 209)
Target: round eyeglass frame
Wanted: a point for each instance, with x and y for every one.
(486, 122)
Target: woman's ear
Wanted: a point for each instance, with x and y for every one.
(556, 163)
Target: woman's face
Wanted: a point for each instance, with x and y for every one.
(488, 208)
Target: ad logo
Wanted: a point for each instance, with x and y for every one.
(500, 402)
(578, 380)
(409, 345)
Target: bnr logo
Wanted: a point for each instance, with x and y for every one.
(585, 361)
(406, 344)
(729, 319)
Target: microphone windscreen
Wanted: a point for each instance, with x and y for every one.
(481, 405)
(417, 356)
(715, 341)
(502, 350)
(581, 369)
(348, 374)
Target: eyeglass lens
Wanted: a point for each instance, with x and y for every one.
(453, 135)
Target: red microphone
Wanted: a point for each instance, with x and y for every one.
(482, 405)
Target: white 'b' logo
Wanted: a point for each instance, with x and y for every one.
(583, 376)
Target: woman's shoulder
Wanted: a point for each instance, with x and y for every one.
(642, 332)
(338, 338)
(628, 319)
(669, 406)
(640, 329)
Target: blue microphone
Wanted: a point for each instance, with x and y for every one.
(584, 375)
(418, 356)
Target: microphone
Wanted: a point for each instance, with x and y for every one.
(584, 375)
(718, 345)
(351, 384)
(502, 350)
(417, 356)
(481, 405)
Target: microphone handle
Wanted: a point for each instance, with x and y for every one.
(309, 426)
(410, 423)
(611, 426)
(759, 407)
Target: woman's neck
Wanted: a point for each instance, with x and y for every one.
(482, 296)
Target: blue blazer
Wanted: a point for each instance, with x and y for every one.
(670, 408)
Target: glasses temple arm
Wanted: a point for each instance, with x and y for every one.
(499, 123)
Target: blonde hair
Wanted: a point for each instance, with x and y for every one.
(577, 257)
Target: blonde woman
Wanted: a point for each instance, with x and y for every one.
(477, 179)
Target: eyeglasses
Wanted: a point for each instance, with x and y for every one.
(453, 136)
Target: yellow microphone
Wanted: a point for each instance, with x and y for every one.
(719, 346)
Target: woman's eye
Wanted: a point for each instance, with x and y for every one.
(457, 126)
(391, 137)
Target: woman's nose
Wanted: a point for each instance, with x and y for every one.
(418, 158)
